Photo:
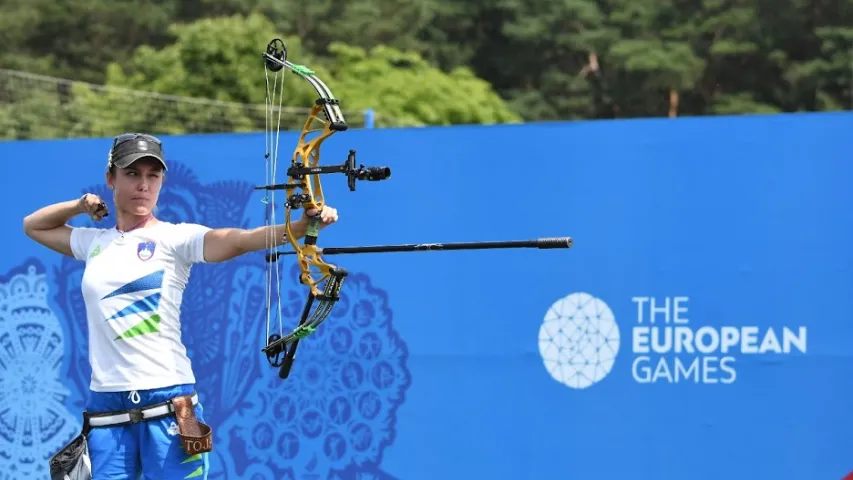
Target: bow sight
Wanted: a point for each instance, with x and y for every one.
(298, 172)
(303, 190)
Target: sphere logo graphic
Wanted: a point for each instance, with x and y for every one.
(579, 340)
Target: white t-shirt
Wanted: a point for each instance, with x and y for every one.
(133, 286)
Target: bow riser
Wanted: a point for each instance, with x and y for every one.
(304, 171)
(309, 195)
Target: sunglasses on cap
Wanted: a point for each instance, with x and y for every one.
(126, 137)
(130, 147)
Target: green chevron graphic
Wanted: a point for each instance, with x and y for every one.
(145, 327)
(198, 471)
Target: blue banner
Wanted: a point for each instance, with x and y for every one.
(700, 327)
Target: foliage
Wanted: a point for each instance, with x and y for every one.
(428, 62)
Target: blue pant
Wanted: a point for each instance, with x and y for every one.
(148, 450)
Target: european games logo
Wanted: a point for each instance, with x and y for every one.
(579, 342)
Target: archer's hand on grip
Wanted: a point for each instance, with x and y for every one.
(327, 215)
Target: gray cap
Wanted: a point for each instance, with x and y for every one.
(130, 147)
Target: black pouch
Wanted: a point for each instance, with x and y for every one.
(73, 462)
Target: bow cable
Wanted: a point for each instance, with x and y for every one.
(271, 140)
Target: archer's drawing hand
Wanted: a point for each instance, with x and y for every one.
(93, 206)
(328, 215)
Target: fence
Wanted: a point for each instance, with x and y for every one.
(41, 107)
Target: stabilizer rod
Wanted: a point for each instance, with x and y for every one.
(540, 243)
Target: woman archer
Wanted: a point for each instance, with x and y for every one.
(143, 417)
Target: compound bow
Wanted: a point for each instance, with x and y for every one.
(303, 190)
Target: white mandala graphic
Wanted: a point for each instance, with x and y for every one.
(34, 421)
(579, 340)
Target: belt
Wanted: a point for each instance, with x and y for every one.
(134, 415)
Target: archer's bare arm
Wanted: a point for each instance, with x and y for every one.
(223, 244)
(49, 225)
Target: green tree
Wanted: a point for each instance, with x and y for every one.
(220, 59)
(77, 39)
(359, 23)
(406, 90)
(629, 58)
(217, 59)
